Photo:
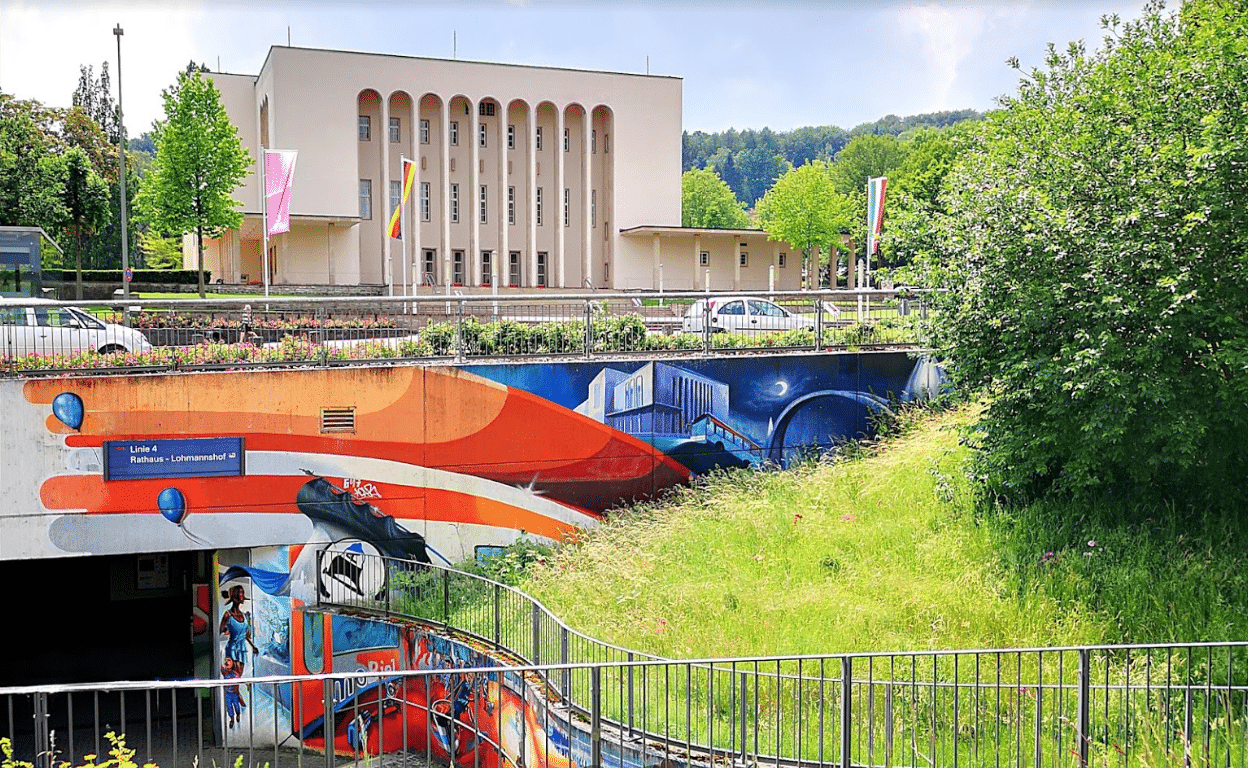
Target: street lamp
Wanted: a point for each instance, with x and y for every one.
(121, 131)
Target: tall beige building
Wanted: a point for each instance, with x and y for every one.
(530, 176)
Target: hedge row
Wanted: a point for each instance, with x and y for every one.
(168, 276)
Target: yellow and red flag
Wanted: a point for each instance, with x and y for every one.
(396, 217)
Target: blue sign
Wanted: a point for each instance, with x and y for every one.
(184, 457)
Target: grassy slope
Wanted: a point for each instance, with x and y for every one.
(881, 553)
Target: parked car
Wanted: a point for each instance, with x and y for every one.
(742, 314)
(39, 326)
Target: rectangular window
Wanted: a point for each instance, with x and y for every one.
(457, 267)
(425, 212)
(538, 140)
(783, 259)
(567, 211)
(431, 267)
(593, 207)
(366, 199)
(454, 203)
(487, 269)
(396, 194)
(485, 196)
(606, 143)
(513, 269)
(745, 259)
(511, 205)
(567, 140)
(541, 269)
(482, 130)
(704, 259)
(454, 133)
(539, 206)
(366, 128)
(424, 131)
(511, 137)
(593, 142)
(485, 109)
(396, 130)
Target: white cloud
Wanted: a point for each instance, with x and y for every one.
(947, 36)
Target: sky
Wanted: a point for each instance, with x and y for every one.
(781, 64)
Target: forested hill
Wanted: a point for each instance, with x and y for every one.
(750, 161)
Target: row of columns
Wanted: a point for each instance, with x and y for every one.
(474, 248)
(700, 274)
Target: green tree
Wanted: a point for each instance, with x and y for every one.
(32, 170)
(914, 195)
(200, 160)
(759, 170)
(160, 252)
(804, 210)
(86, 204)
(707, 202)
(1096, 245)
(863, 157)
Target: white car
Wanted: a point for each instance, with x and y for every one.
(743, 314)
(43, 327)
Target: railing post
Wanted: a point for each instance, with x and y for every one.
(595, 716)
(706, 326)
(385, 562)
(43, 738)
(537, 635)
(460, 346)
(320, 569)
(446, 597)
(498, 623)
(589, 330)
(818, 324)
(1083, 726)
(847, 714)
(630, 693)
(745, 719)
(327, 701)
(566, 674)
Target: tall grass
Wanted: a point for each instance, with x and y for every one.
(891, 550)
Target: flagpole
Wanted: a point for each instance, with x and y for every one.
(402, 224)
(264, 207)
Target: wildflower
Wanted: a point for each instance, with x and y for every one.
(1091, 542)
(796, 517)
(848, 517)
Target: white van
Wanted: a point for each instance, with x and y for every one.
(41, 327)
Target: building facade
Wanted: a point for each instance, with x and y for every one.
(526, 177)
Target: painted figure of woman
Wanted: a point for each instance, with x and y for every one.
(237, 624)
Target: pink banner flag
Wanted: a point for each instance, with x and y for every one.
(279, 176)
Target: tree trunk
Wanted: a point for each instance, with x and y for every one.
(199, 248)
(78, 261)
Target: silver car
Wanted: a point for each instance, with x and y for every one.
(42, 327)
(742, 314)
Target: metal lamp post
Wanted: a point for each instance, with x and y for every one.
(121, 131)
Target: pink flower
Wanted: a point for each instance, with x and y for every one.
(848, 517)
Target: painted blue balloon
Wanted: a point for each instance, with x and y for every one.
(172, 505)
(68, 408)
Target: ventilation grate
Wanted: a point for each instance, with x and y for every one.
(337, 419)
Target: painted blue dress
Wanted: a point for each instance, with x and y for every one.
(236, 645)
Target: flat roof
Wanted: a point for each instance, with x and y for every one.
(655, 229)
(273, 48)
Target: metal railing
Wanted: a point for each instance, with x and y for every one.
(1106, 705)
(590, 703)
(172, 334)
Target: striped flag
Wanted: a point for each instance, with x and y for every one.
(876, 188)
(279, 179)
(396, 217)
